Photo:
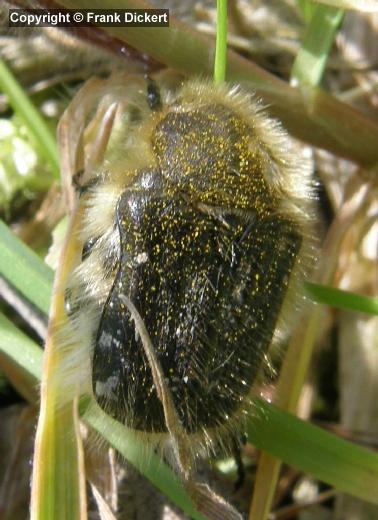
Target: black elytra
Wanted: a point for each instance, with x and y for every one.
(208, 282)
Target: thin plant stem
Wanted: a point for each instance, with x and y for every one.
(221, 43)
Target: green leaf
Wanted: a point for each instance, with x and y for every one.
(20, 349)
(346, 466)
(20, 360)
(342, 299)
(365, 6)
(25, 270)
(141, 456)
(311, 59)
(307, 9)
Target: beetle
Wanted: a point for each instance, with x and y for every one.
(195, 216)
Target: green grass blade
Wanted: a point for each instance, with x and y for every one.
(20, 349)
(365, 6)
(21, 104)
(307, 9)
(141, 457)
(57, 489)
(221, 43)
(346, 466)
(20, 360)
(309, 65)
(25, 270)
(342, 299)
(58, 493)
